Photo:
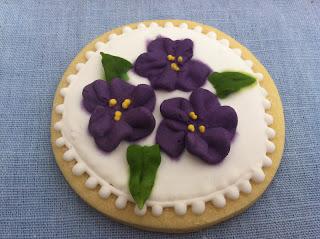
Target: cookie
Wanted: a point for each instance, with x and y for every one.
(167, 125)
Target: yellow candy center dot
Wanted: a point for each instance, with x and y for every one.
(202, 128)
(175, 67)
(180, 59)
(191, 128)
(193, 115)
(117, 115)
(126, 103)
(112, 102)
(170, 58)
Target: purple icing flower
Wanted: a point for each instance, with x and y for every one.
(200, 124)
(168, 65)
(119, 111)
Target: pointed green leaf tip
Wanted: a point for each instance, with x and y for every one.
(229, 82)
(115, 67)
(143, 164)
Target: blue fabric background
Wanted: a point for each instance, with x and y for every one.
(38, 39)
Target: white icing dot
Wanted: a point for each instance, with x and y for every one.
(270, 147)
(90, 54)
(71, 78)
(183, 25)
(121, 202)
(157, 210)
(141, 26)
(154, 24)
(245, 186)
(268, 118)
(68, 155)
(104, 192)
(198, 207)
(249, 63)
(267, 162)
(237, 51)
(140, 212)
(212, 35)
(168, 24)
(271, 133)
(63, 92)
(78, 169)
(219, 201)
(91, 182)
(180, 208)
(127, 29)
(232, 193)
(59, 109)
(58, 126)
(266, 104)
(99, 45)
(259, 76)
(263, 91)
(79, 66)
(198, 29)
(60, 142)
(258, 175)
(225, 42)
(112, 36)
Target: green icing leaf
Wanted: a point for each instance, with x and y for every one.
(143, 163)
(115, 67)
(229, 82)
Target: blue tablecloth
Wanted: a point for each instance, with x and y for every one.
(38, 39)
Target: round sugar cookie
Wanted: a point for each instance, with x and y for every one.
(178, 203)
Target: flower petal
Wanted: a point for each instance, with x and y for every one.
(120, 90)
(176, 109)
(219, 144)
(196, 145)
(166, 80)
(183, 48)
(150, 64)
(119, 131)
(141, 121)
(203, 102)
(176, 125)
(94, 94)
(170, 138)
(193, 75)
(212, 147)
(224, 117)
(143, 95)
(161, 44)
(100, 122)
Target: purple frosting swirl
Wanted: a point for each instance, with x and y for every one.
(119, 111)
(200, 124)
(168, 65)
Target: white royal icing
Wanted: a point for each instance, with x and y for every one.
(188, 181)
